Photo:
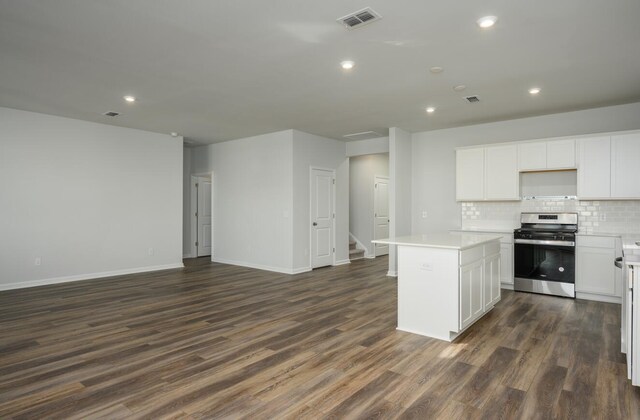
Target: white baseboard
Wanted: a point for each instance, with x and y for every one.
(89, 276)
(392, 273)
(261, 266)
(506, 286)
(342, 262)
(187, 256)
(598, 298)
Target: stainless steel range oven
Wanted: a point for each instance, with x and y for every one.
(544, 253)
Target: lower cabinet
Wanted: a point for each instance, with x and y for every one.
(506, 263)
(479, 285)
(471, 305)
(596, 275)
(492, 270)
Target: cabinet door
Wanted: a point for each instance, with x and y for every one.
(470, 293)
(502, 177)
(491, 281)
(595, 271)
(561, 154)
(625, 166)
(506, 263)
(532, 156)
(470, 174)
(594, 167)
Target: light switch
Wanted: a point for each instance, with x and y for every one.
(424, 214)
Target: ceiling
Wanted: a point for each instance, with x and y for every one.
(220, 70)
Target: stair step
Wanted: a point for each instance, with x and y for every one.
(352, 245)
(355, 254)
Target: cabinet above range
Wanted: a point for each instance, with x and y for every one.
(607, 167)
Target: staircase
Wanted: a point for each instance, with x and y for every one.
(355, 253)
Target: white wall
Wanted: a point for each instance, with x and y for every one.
(88, 199)
(400, 184)
(434, 154)
(368, 147)
(186, 203)
(253, 199)
(320, 152)
(363, 170)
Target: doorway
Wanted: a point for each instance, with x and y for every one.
(322, 217)
(381, 214)
(201, 215)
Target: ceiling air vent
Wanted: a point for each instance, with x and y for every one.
(472, 99)
(363, 135)
(111, 114)
(359, 18)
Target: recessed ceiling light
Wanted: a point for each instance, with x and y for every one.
(486, 21)
(130, 98)
(430, 110)
(174, 134)
(436, 70)
(534, 91)
(459, 88)
(347, 64)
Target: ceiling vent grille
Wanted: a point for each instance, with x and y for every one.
(359, 18)
(363, 135)
(472, 99)
(111, 114)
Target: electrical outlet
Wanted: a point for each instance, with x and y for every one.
(37, 261)
(150, 251)
(424, 214)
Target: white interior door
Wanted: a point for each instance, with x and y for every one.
(381, 214)
(204, 217)
(321, 218)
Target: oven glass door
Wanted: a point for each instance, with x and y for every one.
(545, 262)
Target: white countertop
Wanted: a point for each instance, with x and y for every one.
(632, 260)
(446, 240)
(484, 230)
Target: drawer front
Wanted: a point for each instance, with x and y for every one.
(596, 241)
(470, 255)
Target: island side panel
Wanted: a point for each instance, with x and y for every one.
(428, 292)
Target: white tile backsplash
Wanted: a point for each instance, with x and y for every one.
(621, 217)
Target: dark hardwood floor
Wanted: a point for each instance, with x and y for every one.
(217, 341)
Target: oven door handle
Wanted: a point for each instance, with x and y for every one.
(540, 242)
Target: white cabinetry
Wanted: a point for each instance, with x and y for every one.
(596, 277)
(501, 173)
(547, 155)
(625, 166)
(470, 293)
(470, 174)
(506, 263)
(491, 294)
(532, 156)
(487, 173)
(594, 168)
(561, 154)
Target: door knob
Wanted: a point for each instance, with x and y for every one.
(315, 224)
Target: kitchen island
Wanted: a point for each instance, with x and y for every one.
(446, 281)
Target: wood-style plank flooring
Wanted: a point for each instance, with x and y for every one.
(217, 341)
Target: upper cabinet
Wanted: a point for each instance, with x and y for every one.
(547, 155)
(608, 167)
(501, 173)
(470, 174)
(594, 168)
(625, 166)
(487, 173)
